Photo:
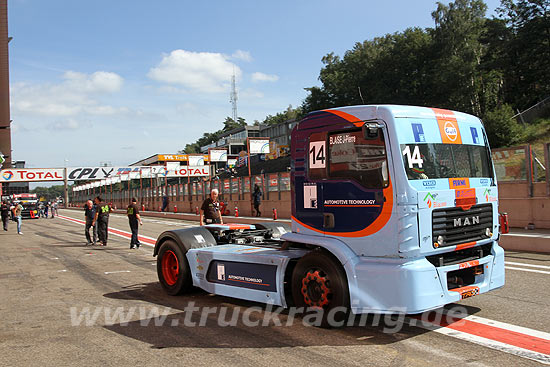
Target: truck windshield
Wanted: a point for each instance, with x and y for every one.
(434, 160)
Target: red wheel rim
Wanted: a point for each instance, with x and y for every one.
(315, 289)
(170, 267)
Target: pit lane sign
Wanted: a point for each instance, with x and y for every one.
(31, 175)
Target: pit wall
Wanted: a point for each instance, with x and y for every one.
(514, 199)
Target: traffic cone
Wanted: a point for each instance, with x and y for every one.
(175, 208)
(197, 210)
(236, 211)
(274, 214)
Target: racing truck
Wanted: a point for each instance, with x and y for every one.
(29, 203)
(393, 208)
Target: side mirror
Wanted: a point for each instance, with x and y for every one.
(371, 131)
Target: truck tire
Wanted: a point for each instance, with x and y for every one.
(319, 282)
(173, 269)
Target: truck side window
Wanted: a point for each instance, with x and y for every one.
(353, 156)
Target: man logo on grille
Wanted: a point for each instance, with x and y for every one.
(461, 222)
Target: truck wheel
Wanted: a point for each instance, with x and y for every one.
(319, 282)
(173, 269)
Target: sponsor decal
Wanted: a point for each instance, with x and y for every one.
(350, 202)
(468, 264)
(475, 136)
(484, 181)
(310, 195)
(428, 183)
(457, 183)
(430, 199)
(418, 132)
(489, 197)
(244, 275)
(448, 126)
(465, 194)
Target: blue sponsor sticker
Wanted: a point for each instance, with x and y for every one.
(418, 132)
(475, 136)
(428, 183)
(484, 182)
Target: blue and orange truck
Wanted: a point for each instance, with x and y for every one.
(393, 208)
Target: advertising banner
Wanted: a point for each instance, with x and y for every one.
(190, 171)
(218, 155)
(259, 146)
(196, 160)
(31, 174)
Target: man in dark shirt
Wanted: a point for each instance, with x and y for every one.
(210, 209)
(89, 213)
(5, 209)
(102, 219)
(134, 218)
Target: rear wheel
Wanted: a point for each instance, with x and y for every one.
(173, 269)
(319, 283)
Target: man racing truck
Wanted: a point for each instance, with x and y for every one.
(393, 208)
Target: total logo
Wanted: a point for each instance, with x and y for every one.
(7, 175)
(451, 131)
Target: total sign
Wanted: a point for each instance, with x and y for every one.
(191, 171)
(31, 175)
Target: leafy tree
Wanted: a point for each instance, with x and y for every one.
(501, 129)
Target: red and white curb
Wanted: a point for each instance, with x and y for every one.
(117, 232)
(516, 340)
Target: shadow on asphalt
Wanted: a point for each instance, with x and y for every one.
(175, 329)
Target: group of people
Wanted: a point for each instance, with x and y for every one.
(44, 209)
(96, 213)
(15, 209)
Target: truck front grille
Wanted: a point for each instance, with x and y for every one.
(458, 226)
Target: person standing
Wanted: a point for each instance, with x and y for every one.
(135, 220)
(257, 199)
(89, 213)
(5, 211)
(54, 208)
(102, 219)
(164, 203)
(17, 211)
(46, 207)
(210, 209)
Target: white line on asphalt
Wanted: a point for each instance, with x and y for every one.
(62, 271)
(118, 271)
(528, 265)
(528, 270)
(504, 325)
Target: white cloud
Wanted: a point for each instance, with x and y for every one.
(242, 55)
(261, 77)
(78, 93)
(204, 72)
(69, 124)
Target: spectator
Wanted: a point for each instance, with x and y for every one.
(257, 199)
(134, 218)
(17, 211)
(164, 202)
(210, 210)
(5, 211)
(89, 214)
(102, 219)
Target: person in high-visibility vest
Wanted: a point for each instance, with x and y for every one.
(102, 219)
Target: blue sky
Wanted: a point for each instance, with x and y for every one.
(118, 81)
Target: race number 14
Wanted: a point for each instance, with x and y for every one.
(317, 154)
(415, 157)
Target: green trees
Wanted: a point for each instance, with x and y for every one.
(487, 67)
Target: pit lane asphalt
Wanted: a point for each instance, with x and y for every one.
(48, 271)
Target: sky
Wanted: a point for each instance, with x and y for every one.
(95, 82)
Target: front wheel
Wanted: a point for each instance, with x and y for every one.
(319, 284)
(173, 269)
